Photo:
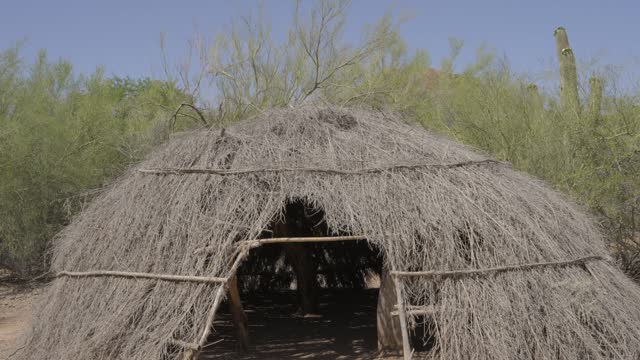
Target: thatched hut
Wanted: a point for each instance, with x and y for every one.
(491, 263)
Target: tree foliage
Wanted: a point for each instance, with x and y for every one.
(595, 158)
(62, 138)
(249, 70)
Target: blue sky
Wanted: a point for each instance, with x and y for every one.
(123, 36)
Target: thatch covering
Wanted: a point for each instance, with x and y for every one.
(467, 214)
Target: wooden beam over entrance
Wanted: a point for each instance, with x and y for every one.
(283, 240)
(317, 239)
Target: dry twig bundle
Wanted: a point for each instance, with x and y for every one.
(480, 215)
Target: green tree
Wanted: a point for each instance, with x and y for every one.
(63, 138)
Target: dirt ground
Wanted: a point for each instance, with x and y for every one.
(345, 329)
(16, 301)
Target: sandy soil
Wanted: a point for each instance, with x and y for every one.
(16, 301)
(346, 328)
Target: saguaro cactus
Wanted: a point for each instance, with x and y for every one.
(595, 96)
(568, 72)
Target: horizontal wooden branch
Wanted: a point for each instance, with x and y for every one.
(458, 273)
(317, 239)
(410, 166)
(415, 307)
(184, 344)
(139, 275)
(260, 242)
(329, 270)
(414, 312)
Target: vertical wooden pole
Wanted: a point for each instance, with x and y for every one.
(305, 268)
(406, 347)
(388, 325)
(300, 256)
(193, 355)
(240, 322)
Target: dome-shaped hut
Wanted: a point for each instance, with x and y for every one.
(486, 262)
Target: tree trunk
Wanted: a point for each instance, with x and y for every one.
(240, 322)
(301, 259)
(305, 269)
(389, 330)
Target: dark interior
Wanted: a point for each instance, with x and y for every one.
(308, 300)
(338, 319)
(337, 265)
(345, 329)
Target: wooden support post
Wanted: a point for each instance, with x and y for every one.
(192, 354)
(240, 322)
(220, 293)
(305, 268)
(406, 347)
(298, 255)
(212, 314)
(388, 326)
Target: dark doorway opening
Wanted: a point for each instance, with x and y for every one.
(345, 327)
(304, 300)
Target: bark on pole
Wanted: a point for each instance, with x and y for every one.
(404, 330)
(569, 97)
(303, 263)
(595, 96)
(240, 321)
(306, 281)
(389, 329)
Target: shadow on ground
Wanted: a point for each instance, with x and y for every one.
(346, 328)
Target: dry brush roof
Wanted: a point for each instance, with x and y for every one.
(478, 214)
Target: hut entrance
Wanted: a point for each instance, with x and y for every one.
(316, 296)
